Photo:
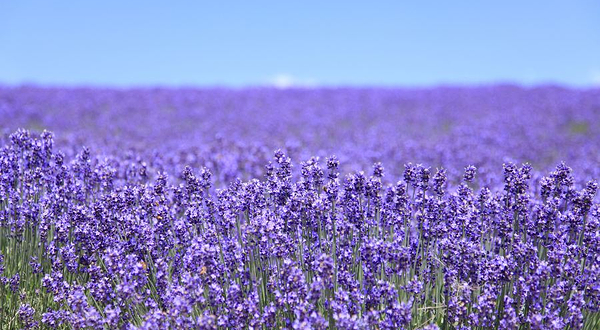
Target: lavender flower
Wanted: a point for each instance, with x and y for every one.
(154, 227)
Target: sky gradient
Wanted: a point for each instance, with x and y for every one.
(309, 43)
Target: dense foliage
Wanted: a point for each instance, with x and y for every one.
(144, 219)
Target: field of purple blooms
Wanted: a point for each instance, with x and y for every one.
(266, 208)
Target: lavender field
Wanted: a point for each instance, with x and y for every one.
(328, 208)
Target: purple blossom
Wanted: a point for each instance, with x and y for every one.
(198, 224)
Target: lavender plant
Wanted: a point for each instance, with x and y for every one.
(219, 235)
(82, 248)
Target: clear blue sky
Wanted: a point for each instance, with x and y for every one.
(416, 43)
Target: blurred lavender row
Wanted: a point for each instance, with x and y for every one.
(234, 132)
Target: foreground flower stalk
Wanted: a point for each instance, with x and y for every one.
(88, 243)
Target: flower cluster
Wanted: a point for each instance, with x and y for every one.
(90, 243)
(444, 208)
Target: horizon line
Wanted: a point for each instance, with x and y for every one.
(117, 86)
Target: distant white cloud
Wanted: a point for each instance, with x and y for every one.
(595, 77)
(286, 81)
